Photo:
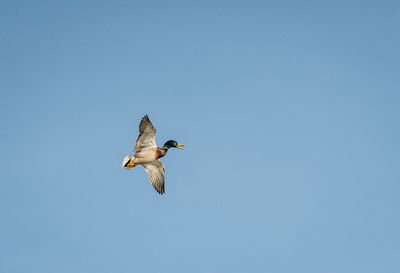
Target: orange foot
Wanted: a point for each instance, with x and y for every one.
(132, 164)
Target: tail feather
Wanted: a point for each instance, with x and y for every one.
(126, 161)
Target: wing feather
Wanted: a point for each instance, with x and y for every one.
(147, 135)
(156, 171)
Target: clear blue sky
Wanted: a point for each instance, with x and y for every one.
(289, 110)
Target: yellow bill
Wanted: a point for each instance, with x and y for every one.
(179, 146)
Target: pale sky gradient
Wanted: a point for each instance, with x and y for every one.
(289, 110)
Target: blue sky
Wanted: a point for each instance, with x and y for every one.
(290, 115)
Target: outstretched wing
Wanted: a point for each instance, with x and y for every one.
(155, 169)
(147, 135)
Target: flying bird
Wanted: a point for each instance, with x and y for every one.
(148, 154)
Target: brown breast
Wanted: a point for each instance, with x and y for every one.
(161, 152)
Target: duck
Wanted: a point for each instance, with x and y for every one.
(148, 154)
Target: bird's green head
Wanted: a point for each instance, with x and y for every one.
(173, 144)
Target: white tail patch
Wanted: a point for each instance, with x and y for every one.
(126, 161)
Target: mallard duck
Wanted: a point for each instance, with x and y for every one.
(148, 154)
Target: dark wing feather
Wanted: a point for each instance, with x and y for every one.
(147, 135)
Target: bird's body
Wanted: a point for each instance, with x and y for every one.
(147, 154)
(150, 155)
